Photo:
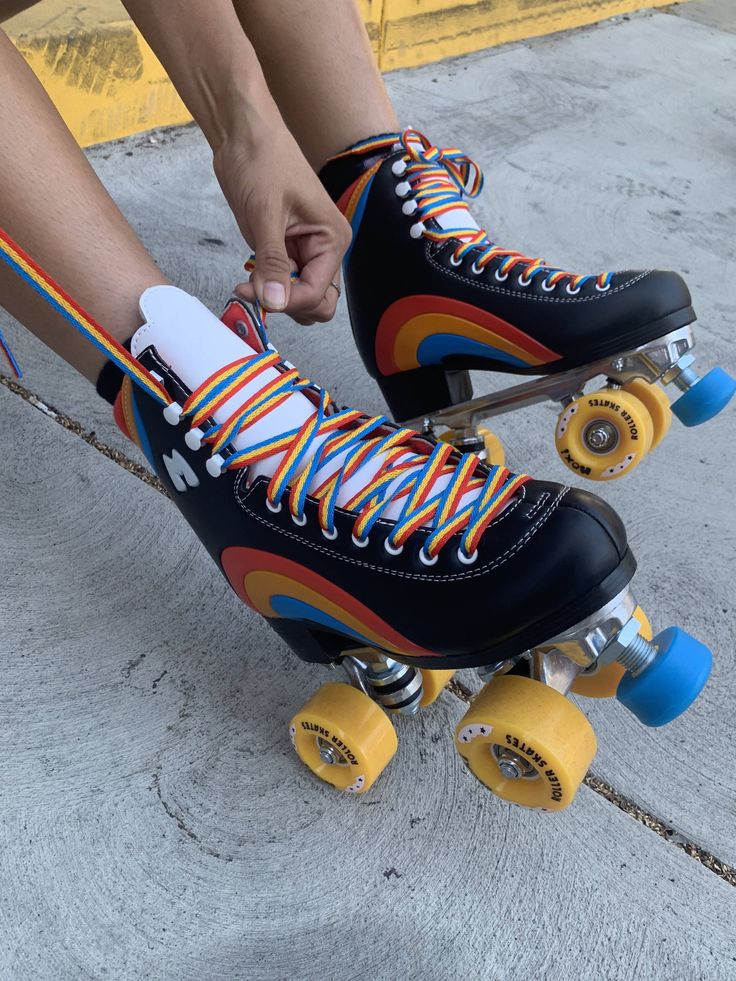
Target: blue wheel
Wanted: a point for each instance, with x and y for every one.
(706, 398)
(672, 681)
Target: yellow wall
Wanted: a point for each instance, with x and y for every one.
(107, 82)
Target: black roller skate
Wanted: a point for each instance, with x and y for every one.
(366, 544)
(431, 296)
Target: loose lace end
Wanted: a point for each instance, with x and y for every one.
(10, 357)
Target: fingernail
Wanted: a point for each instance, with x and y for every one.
(274, 295)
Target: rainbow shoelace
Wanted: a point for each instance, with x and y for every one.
(405, 472)
(439, 181)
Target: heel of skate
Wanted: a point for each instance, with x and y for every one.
(414, 393)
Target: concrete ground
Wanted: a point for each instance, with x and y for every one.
(154, 821)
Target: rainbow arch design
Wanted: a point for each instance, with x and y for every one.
(423, 329)
(278, 588)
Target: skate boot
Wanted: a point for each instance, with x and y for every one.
(366, 544)
(431, 296)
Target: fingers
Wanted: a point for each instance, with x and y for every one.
(321, 313)
(271, 278)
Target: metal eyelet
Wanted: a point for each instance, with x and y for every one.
(409, 207)
(501, 279)
(330, 535)
(603, 289)
(454, 261)
(403, 189)
(476, 269)
(398, 168)
(417, 230)
(573, 292)
(359, 542)
(546, 288)
(523, 282)
(299, 523)
(428, 560)
(274, 508)
(390, 548)
(467, 559)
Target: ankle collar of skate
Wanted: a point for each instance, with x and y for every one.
(435, 182)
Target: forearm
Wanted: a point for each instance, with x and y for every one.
(211, 63)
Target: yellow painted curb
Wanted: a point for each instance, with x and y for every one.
(416, 32)
(107, 83)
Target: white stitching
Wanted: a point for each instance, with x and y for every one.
(410, 575)
(532, 296)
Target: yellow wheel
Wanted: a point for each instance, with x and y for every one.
(605, 434)
(603, 682)
(494, 451)
(656, 401)
(526, 742)
(433, 683)
(344, 737)
(495, 455)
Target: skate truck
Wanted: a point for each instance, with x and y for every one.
(369, 545)
(431, 297)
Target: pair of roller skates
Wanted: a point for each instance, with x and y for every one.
(400, 556)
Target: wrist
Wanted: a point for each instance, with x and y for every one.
(237, 112)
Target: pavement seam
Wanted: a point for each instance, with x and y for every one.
(66, 422)
(635, 811)
(454, 687)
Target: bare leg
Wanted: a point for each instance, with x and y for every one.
(54, 206)
(321, 71)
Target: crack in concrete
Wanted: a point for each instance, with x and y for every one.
(454, 687)
(66, 422)
(630, 807)
(182, 826)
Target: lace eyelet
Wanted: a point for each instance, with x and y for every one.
(428, 560)
(359, 542)
(467, 559)
(417, 230)
(403, 189)
(398, 168)
(330, 535)
(573, 292)
(476, 269)
(454, 261)
(193, 438)
(501, 279)
(299, 523)
(409, 207)
(546, 288)
(603, 289)
(215, 465)
(390, 548)
(274, 508)
(172, 413)
(523, 282)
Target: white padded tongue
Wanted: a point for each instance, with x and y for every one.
(195, 344)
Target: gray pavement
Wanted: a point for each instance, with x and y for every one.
(154, 823)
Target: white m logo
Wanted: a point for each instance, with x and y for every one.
(182, 475)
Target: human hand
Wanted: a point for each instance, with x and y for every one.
(289, 221)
